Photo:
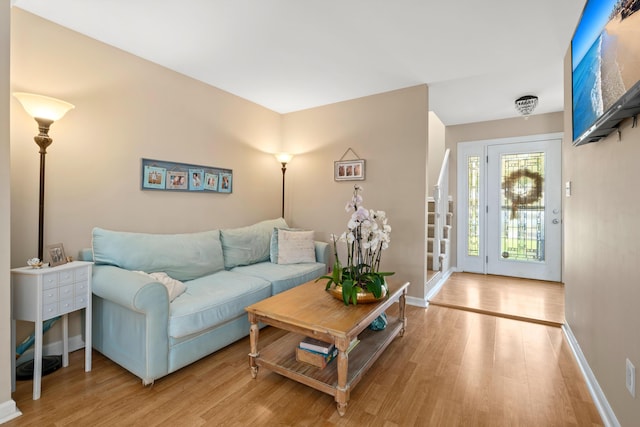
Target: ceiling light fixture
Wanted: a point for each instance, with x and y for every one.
(526, 104)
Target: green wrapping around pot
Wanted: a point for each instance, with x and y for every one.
(379, 323)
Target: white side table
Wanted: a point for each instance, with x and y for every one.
(41, 294)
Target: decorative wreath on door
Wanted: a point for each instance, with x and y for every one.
(515, 183)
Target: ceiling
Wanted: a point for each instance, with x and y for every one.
(477, 57)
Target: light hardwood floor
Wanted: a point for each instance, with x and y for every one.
(451, 368)
(522, 299)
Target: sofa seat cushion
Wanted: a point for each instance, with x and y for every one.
(213, 300)
(284, 277)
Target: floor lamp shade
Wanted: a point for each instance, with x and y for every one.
(43, 107)
(45, 110)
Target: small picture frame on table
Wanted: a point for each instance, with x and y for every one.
(56, 254)
(348, 170)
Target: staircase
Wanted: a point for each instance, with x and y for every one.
(439, 222)
(444, 254)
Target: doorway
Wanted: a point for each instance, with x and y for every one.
(509, 220)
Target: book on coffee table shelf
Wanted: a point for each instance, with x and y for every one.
(319, 360)
(316, 345)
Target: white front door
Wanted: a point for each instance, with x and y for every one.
(523, 215)
(510, 210)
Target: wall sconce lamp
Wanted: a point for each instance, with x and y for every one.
(283, 158)
(45, 111)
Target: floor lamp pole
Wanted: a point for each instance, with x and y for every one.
(284, 169)
(43, 140)
(283, 158)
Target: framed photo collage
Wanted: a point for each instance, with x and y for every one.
(172, 176)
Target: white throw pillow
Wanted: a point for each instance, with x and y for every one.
(295, 247)
(174, 287)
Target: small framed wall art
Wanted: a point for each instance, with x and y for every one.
(349, 170)
(173, 176)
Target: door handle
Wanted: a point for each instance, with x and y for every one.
(556, 221)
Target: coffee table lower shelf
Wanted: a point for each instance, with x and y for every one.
(280, 357)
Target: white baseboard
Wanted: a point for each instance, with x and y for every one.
(8, 411)
(599, 399)
(424, 302)
(418, 302)
(445, 276)
(75, 343)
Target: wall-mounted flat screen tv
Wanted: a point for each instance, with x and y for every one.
(605, 60)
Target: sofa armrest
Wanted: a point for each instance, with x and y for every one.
(129, 289)
(131, 321)
(322, 253)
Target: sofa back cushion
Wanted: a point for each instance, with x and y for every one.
(181, 256)
(248, 245)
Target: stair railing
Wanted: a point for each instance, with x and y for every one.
(441, 206)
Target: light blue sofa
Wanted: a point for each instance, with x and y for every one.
(138, 327)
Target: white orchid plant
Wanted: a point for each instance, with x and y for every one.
(366, 238)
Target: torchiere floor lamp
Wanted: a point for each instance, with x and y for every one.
(45, 111)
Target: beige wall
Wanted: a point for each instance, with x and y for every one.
(389, 131)
(127, 108)
(601, 254)
(6, 404)
(508, 128)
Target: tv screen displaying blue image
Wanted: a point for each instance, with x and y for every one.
(605, 58)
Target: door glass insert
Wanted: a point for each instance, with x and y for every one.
(522, 207)
(473, 180)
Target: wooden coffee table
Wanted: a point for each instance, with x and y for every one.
(309, 310)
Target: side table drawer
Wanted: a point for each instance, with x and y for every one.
(49, 296)
(65, 277)
(65, 292)
(49, 311)
(81, 301)
(50, 280)
(66, 306)
(82, 288)
(82, 274)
